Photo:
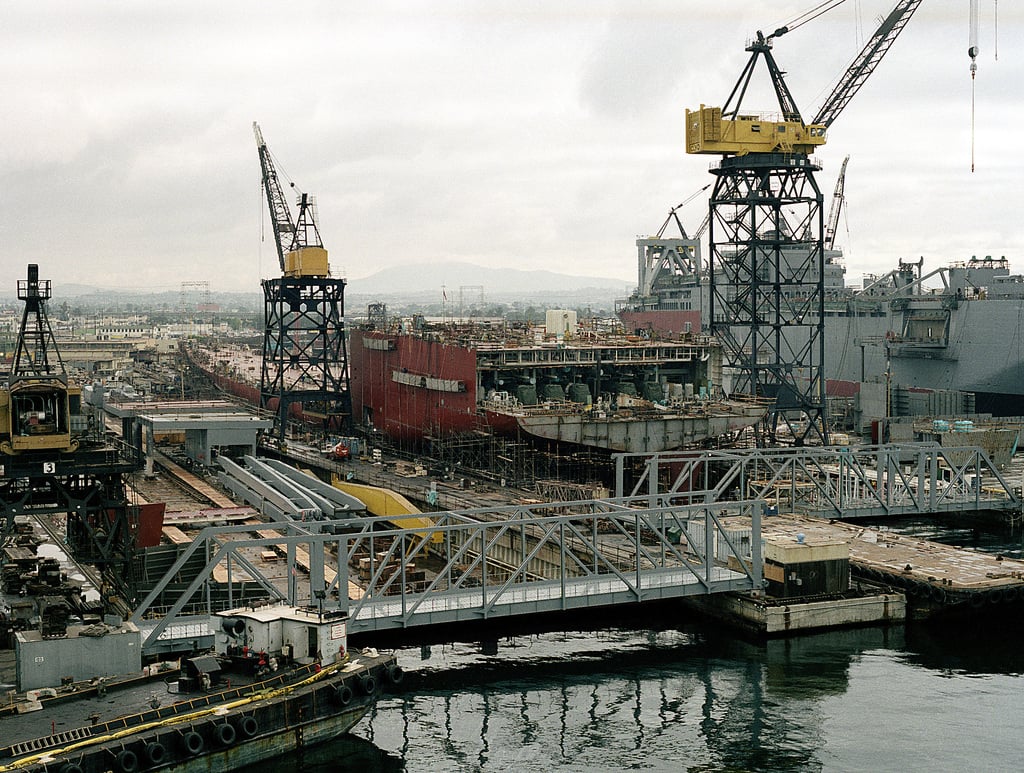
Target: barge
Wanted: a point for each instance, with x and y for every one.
(248, 702)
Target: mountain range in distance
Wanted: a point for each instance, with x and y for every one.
(420, 282)
(432, 278)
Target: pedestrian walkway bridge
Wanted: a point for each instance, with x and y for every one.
(474, 565)
(830, 482)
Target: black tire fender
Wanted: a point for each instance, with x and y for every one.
(226, 734)
(156, 753)
(395, 673)
(249, 726)
(343, 694)
(368, 684)
(193, 742)
(127, 761)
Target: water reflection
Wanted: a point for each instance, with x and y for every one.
(348, 753)
(614, 699)
(693, 699)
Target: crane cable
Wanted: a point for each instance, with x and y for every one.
(972, 51)
(810, 15)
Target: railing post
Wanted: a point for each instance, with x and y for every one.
(756, 562)
(231, 585)
(401, 569)
(561, 559)
(342, 573)
(483, 569)
(636, 552)
(652, 480)
(709, 546)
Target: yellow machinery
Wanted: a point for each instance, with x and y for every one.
(708, 132)
(727, 131)
(385, 502)
(35, 416)
(36, 400)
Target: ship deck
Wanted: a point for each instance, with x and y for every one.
(84, 710)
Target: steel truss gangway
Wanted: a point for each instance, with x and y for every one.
(829, 482)
(485, 564)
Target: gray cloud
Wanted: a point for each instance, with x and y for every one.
(523, 134)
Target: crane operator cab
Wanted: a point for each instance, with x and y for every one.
(34, 416)
(36, 400)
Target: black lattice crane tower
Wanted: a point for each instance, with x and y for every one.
(767, 234)
(305, 362)
(55, 460)
(36, 343)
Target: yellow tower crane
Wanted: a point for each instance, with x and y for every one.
(729, 131)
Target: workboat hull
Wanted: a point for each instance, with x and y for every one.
(223, 730)
(616, 432)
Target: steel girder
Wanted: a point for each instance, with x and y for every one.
(101, 524)
(305, 358)
(767, 286)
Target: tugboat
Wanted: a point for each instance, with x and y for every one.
(248, 700)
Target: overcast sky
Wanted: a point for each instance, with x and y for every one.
(509, 134)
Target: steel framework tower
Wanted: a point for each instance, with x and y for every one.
(767, 286)
(35, 337)
(305, 361)
(304, 351)
(767, 266)
(53, 460)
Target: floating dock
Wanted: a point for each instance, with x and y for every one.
(934, 576)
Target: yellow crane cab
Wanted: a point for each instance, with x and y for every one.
(707, 132)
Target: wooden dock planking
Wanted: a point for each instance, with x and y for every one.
(302, 560)
(890, 553)
(176, 535)
(195, 483)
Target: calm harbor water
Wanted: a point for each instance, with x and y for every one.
(686, 695)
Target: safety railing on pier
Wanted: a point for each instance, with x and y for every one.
(840, 481)
(481, 564)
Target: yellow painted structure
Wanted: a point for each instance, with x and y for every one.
(35, 415)
(389, 504)
(708, 132)
(306, 261)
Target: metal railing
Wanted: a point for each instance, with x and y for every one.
(484, 563)
(838, 481)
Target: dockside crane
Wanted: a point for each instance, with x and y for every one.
(767, 232)
(300, 250)
(838, 197)
(305, 359)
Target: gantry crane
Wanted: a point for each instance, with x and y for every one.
(305, 360)
(767, 234)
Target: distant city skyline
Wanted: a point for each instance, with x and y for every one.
(506, 134)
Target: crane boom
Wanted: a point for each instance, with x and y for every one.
(832, 224)
(280, 215)
(866, 62)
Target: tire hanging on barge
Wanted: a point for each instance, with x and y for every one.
(193, 742)
(225, 733)
(156, 753)
(250, 726)
(368, 684)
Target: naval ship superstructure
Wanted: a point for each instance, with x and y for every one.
(958, 328)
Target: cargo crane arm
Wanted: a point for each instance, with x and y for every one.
(280, 216)
(866, 62)
(727, 131)
(832, 224)
(763, 47)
